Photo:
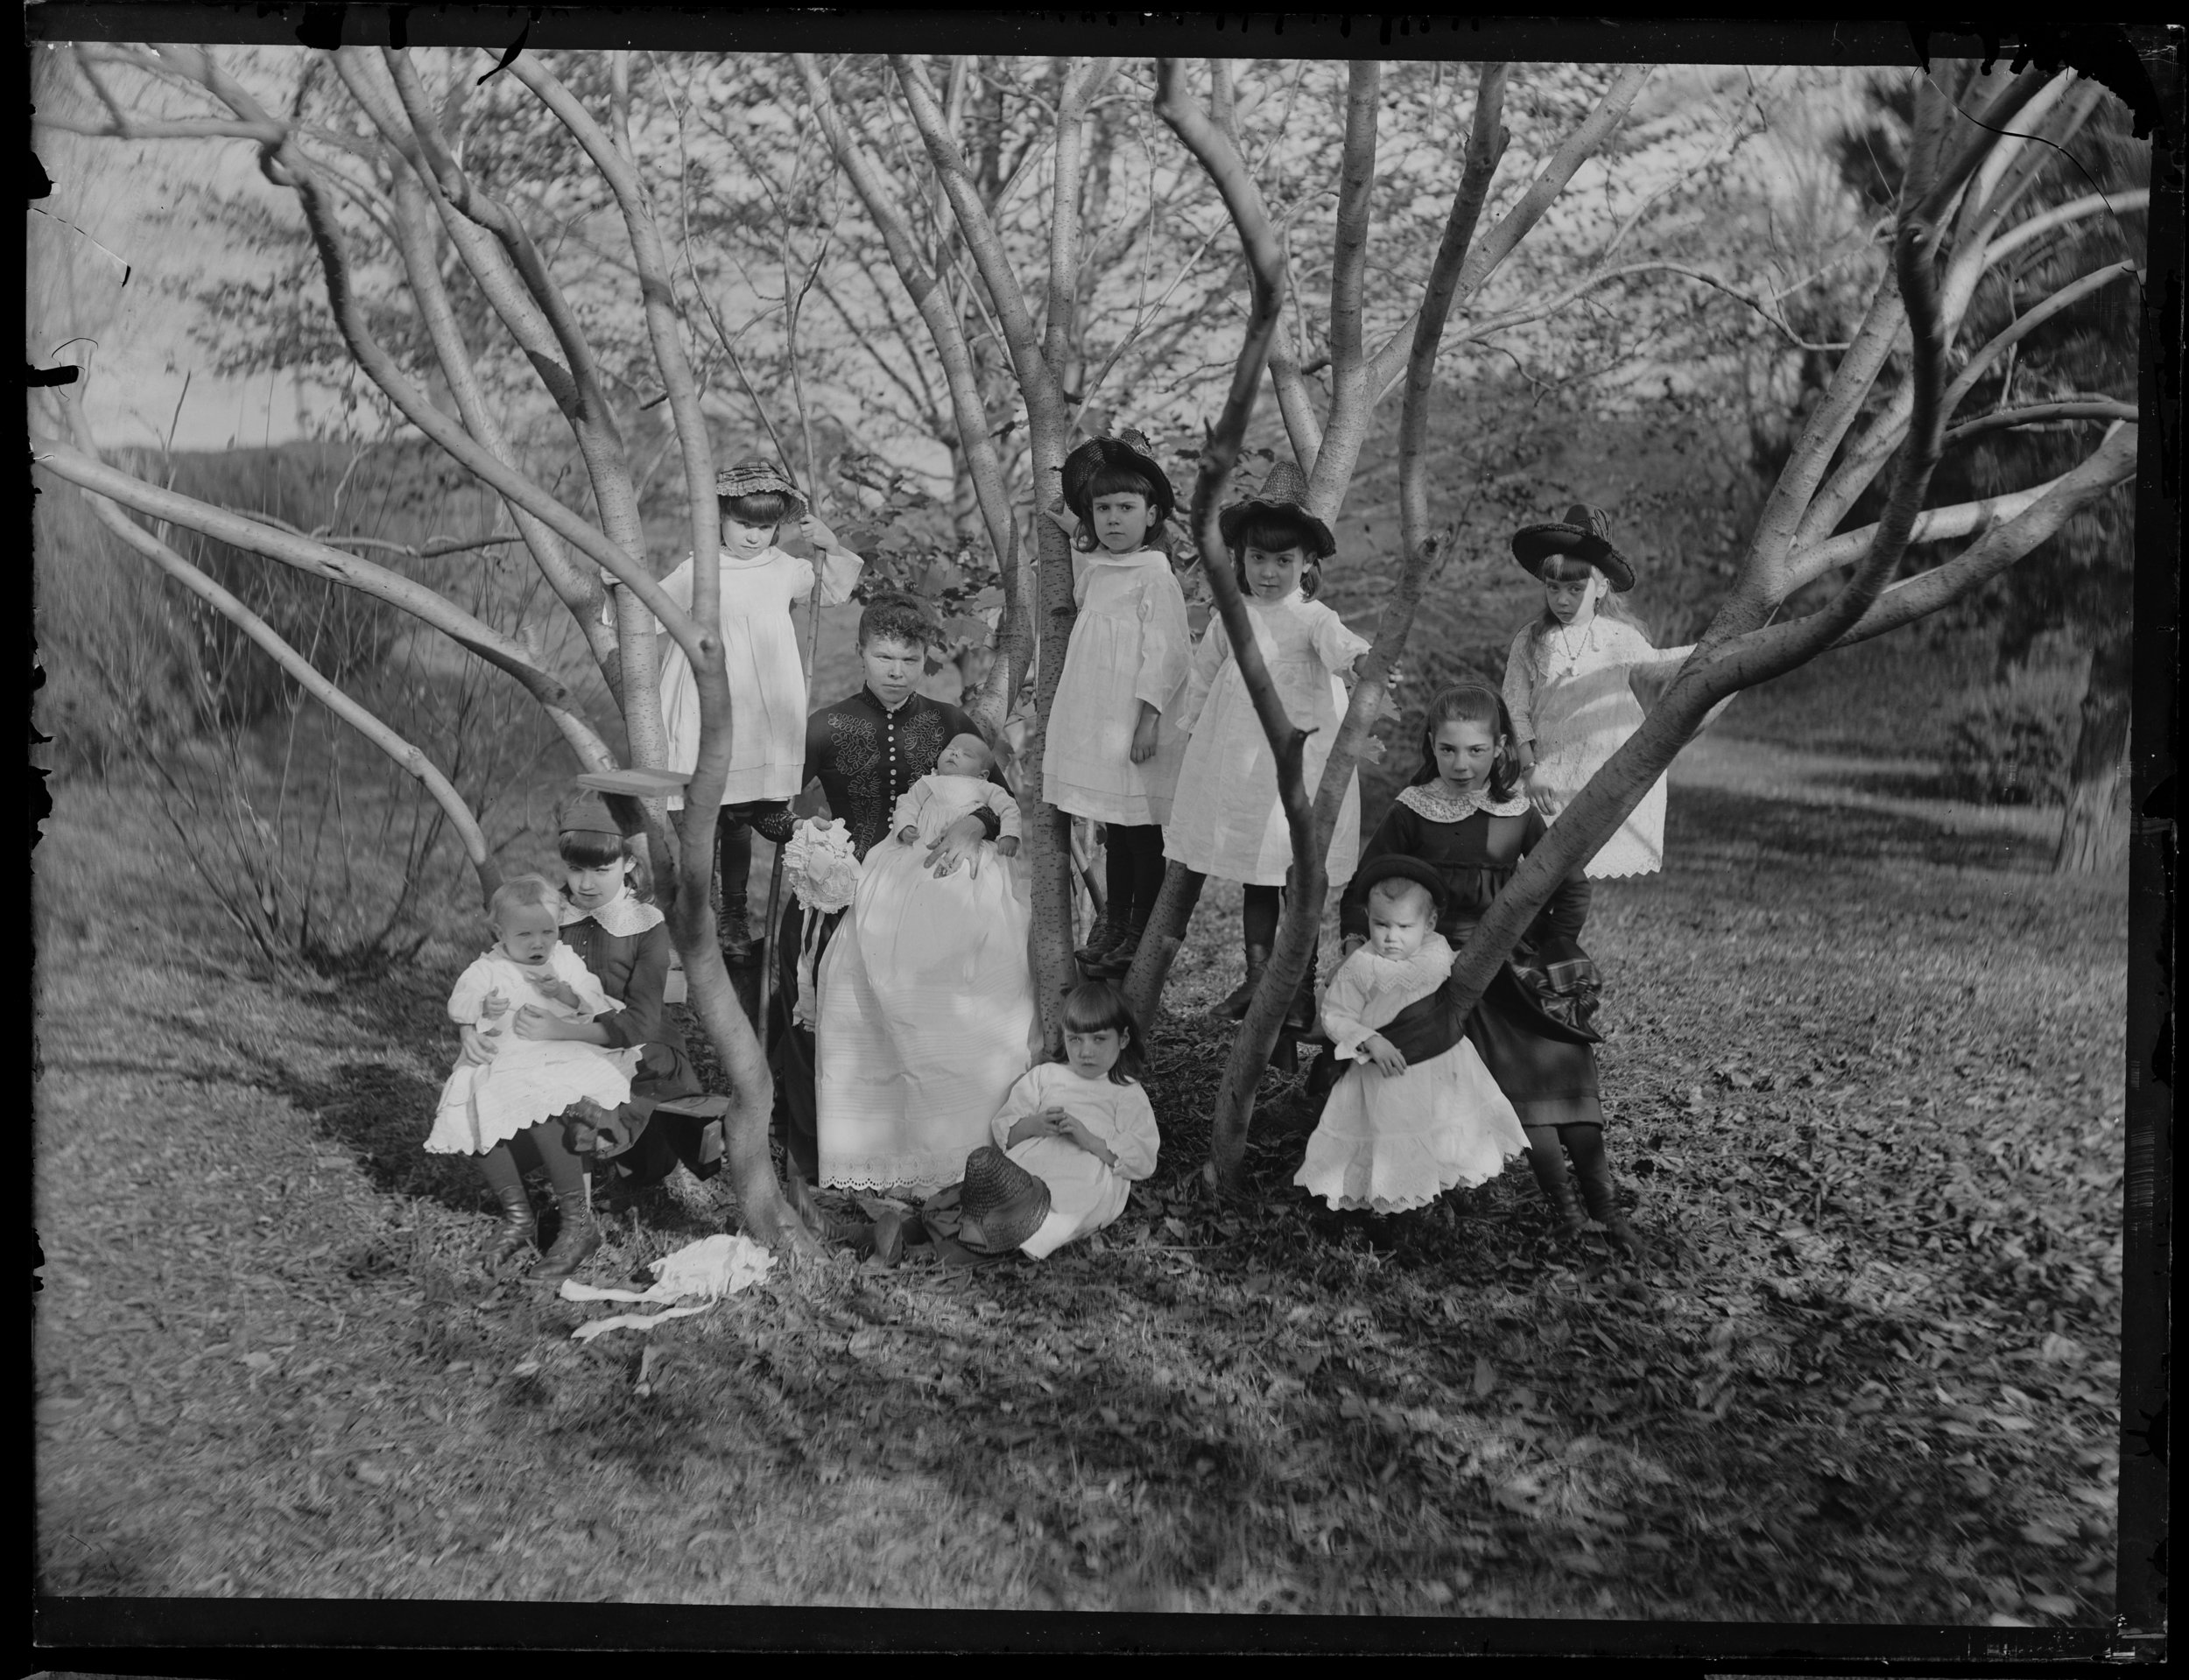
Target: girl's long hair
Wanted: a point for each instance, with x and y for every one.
(1111, 479)
(1271, 532)
(1483, 706)
(1098, 1006)
(1612, 604)
(582, 849)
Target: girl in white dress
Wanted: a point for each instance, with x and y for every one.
(1580, 677)
(1227, 820)
(926, 993)
(767, 683)
(1399, 1129)
(1082, 1124)
(530, 1083)
(1111, 754)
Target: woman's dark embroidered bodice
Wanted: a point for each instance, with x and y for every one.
(866, 756)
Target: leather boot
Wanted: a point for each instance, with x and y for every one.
(578, 1238)
(733, 926)
(519, 1230)
(1241, 1000)
(1547, 1159)
(1299, 1020)
(1602, 1201)
(1118, 958)
(1104, 934)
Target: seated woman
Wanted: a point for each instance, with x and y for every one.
(926, 994)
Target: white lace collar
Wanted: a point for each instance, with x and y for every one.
(622, 916)
(1429, 799)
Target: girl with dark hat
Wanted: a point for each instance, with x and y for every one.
(1111, 754)
(1419, 1114)
(1462, 818)
(767, 685)
(1228, 821)
(1580, 676)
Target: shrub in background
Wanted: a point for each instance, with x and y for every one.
(2010, 744)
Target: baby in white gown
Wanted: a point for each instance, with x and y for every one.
(1397, 1132)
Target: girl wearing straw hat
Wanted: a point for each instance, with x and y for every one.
(767, 687)
(1580, 676)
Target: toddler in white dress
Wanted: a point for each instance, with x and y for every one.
(1419, 1113)
(529, 1081)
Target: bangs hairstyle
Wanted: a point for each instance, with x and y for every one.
(583, 849)
(1482, 706)
(1098, 1006)
(1271, 532)
(898, 618)
(1612, 604)
(1114, 479)
(760, 508)
(520, 892)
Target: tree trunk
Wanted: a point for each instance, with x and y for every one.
(2093, 836)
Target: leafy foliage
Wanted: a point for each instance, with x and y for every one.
(2010, 743)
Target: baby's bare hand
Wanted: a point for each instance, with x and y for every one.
(494, 1006)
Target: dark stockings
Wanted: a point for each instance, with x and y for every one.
(505, 1164)
(733, 844)
(1265, 905)
(1133, 871)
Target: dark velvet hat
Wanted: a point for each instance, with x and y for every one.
(1585, 533)
(756, 476)
(1000, 1204)
(1129, 449)
(1283, 491)
(585, 812)
(1396, 866)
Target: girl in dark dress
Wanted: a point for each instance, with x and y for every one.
(609, 923)
(1462, 816)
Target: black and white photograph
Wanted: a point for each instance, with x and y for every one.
(822, 823)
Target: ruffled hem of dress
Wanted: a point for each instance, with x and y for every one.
(1391, 1174)
(877, 1175)
(1595, 873)
(439, 1143)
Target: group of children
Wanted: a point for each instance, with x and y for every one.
(917, 1074)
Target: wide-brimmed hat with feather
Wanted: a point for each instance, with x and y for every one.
(756, 475)
(1285, 491)
(1584, 533)
(1129, 449)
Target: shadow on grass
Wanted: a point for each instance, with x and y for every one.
(1712, 819)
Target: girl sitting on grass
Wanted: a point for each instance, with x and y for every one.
(522, 1093)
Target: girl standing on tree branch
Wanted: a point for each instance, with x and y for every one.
(1110, 754)
(767, 687)
(1228, 820)
(1580, 677)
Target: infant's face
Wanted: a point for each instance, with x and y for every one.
(528, 932)
(1397, 925)
(965, 755)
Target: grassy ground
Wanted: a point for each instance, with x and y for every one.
(1864, 1068)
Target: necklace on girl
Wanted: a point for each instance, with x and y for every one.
(1572, 654)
